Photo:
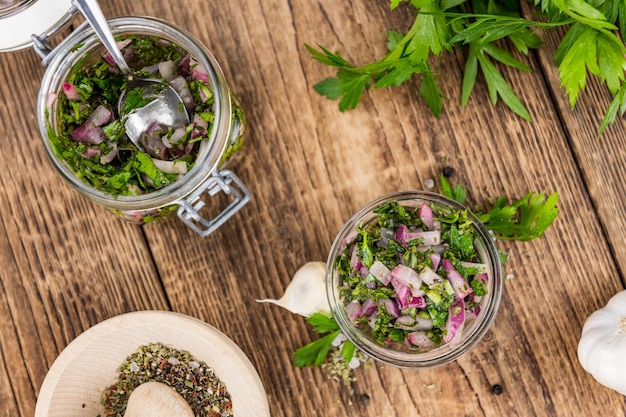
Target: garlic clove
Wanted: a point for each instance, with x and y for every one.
(306, 294)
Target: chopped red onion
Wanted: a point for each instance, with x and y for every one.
(389, 306)
(152, 142)
(110, 156)
(472, 310)
(458, 283)
(176, 136)
(409, 323)
(200, 126)
(430, 277)
(430, 238)
(171, 167)
(179, 84)
(401, 233)
(422, 323)
(91, 152)
(90, 131)
(404, 275)
(51, 99)
(436, 259)
(199, 72)
(184, 66)
(426, 215)
(456, 320)
(403, 292)
(120, 45)
(167, 70)
(70, 90)
(373, 318)
(386, 235)
(355, 262)
(480, 267)
(420, 339)
(405, 322)
(353, 309)
(381, 272)
(349, 239)
(368, 307)
(417, 302)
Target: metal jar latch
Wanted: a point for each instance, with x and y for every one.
(230, 184)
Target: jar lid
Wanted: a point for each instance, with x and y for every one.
(20, 19)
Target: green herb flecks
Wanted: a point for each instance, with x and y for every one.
(387, 239)
(110, 162)
(135, 99)
(194, 380)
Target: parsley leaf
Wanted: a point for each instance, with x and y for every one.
(135, 99)
(536, 214)
(497, 86)
(460, 242)
(315, 353)
(430, 92)
(322, 323)
(581, 56)
(145, 165)
(610, 62)
(457, 193)
(524, 220)
(617, 105)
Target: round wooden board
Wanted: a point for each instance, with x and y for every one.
(74, 384)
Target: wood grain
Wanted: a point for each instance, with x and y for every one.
(67, 264)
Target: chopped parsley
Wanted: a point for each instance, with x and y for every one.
(111, 162)
(412, 273)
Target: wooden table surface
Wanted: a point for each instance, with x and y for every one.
(67, 264)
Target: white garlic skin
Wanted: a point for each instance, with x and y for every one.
(306, 294)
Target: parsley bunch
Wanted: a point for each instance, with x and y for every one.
(592, 44)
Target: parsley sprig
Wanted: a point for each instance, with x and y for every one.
(523, 220)
(591, 44)
(315, 353)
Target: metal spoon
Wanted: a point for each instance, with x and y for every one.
(166, 108)
(155, 399)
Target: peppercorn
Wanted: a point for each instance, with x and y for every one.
(497, 389)
(448, 172)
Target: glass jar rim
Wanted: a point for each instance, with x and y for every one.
(78, 45)
(442, 354)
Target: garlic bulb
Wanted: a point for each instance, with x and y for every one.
(306, 294)
(602, 346)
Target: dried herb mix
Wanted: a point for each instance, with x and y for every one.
(195, 381)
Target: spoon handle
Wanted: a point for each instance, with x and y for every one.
(91, 11)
